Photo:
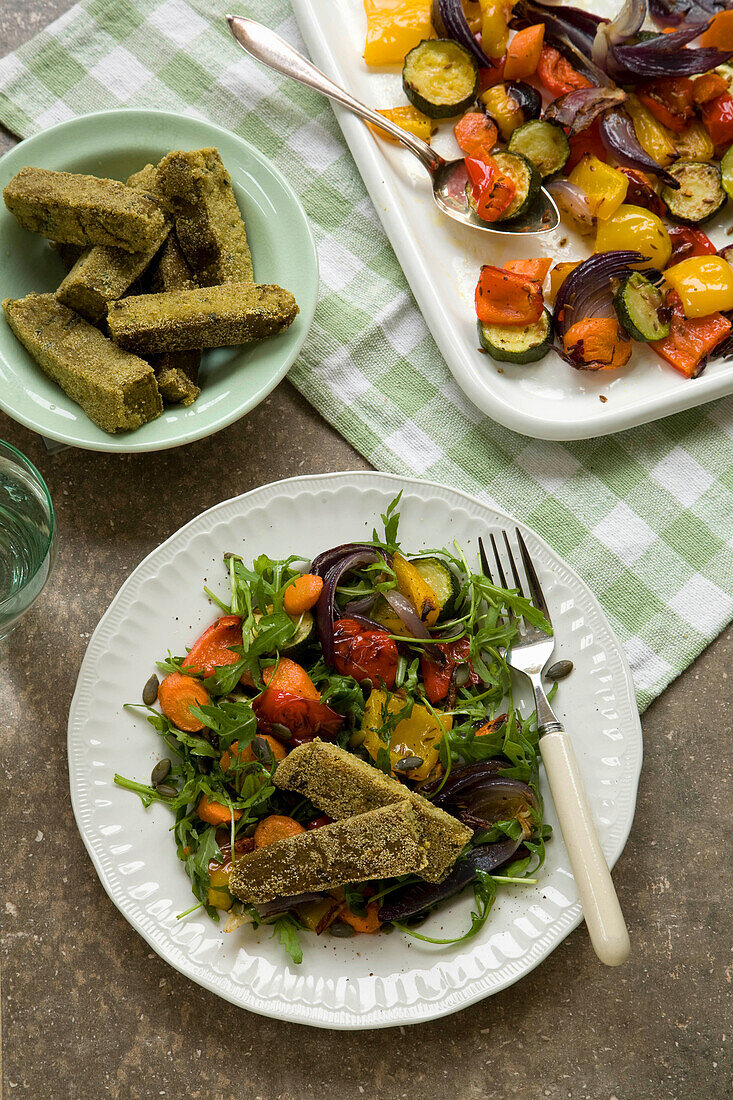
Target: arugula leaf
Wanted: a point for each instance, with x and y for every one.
(286, 929)
(391, 521)
(484, 889)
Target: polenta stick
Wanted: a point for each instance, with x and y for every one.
(85, 210)
(379, 844)
(210, 317)
(209, 224)
(102, 274)
(115, 389)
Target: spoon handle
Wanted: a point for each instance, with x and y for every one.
(273, 51)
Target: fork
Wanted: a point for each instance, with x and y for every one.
(530, 654)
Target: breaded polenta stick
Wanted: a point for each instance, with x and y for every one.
(86, 210)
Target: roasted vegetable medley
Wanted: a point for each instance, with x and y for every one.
(342, 748)
(627, 122)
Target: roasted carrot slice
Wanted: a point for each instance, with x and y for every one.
(276, 827)
(214, 812)
(302, 594)
(176, 695)
(292, 678)
(211, 650)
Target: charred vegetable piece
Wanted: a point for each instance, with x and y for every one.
(639, 306)
(505, 298)
(597, 343)
(517, 343)
(704, 285)
(418, 734)
(440, 78)
(419, 898)
(393, 29)
(525, 178)
(726, 170)
(544, 144)
(510, 105)
(442, 582)
(700, 195)
(690, 341)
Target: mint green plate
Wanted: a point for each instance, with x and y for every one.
(233, 380)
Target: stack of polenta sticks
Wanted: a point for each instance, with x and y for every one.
(159, 268)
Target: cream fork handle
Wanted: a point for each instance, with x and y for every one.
(603, 917)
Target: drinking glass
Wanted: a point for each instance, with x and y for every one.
(27, 536)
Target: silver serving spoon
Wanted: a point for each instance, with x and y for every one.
(448, 176)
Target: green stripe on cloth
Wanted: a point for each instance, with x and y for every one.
(645, 517)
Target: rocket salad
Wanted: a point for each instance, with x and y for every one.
(395, 658)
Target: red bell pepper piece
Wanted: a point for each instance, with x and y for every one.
(505, 298)
(437, 676)
(688, 242)
(717, 117)
(690, 341)
(490, 75)
(493, 191)
(557, 74)
(305, 718)
(641, 192)
(365, 654)
(671, 101)
(211, 650)
(587, 141)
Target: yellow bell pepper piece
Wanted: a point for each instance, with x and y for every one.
(407, 118)
(638, 229)
(494, 27)
(695, 143)
(416, 589)
(559, 274)
(504, 109)
(604, 187)
(704, 284)
(393, 28)
(655, 139)
(419, 735)
(220, 899)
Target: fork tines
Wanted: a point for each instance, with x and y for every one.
(532, 588)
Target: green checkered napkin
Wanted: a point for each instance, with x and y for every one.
(644, 516)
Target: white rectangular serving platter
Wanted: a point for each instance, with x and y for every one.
(441, 260)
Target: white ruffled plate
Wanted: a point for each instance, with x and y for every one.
(365, 981)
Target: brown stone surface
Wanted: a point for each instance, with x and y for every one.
(90, 1012)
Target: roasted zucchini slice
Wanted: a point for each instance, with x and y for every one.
(443, 582)
(517, 343)
(440, 78)
(637, 303)
(700, 195)
(526, 179)
(543, 143)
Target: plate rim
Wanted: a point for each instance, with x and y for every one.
(369, 163)
(124, 443)
(294, 1011)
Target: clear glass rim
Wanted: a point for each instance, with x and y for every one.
(25, 461)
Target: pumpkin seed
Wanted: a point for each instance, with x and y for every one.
(263, 751)
(150, 691)
(408, 763)
(341, 929)
(559, 670)
(166, 791)
(160, 771)
(462, 674)
(281, 732)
